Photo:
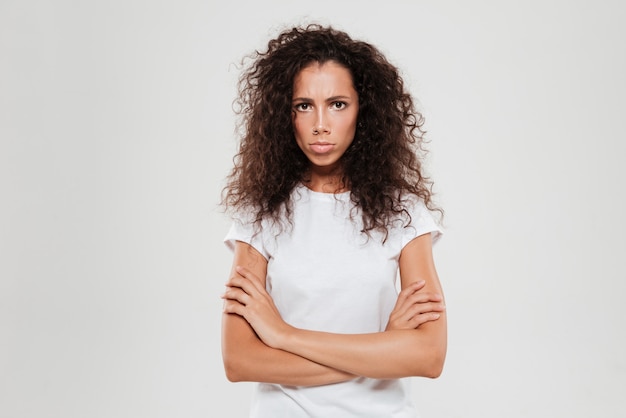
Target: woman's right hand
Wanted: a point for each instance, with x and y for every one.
(414, 308)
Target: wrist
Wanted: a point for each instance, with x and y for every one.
(286, 340)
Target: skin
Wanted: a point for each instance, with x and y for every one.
(257, 345)
(325, 110)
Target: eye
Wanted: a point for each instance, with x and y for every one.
(338, 105)
(302, 107)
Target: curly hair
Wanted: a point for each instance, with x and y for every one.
(381, 166)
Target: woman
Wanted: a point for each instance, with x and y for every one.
(329, 204)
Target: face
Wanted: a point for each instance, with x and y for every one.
(325, 109)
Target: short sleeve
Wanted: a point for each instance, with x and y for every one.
(422, 222)
(245, 232)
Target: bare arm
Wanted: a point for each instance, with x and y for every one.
(390, 354)
(247, 358)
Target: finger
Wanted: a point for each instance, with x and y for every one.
(412, 321)
(415, 293)
(400, 318)
(236, 294)
(423, 297)
(421, 319)
(413, 287)
(407, 301)
(247, 273)
(423, 308)
(234, 307)
(409, 291)
(243, 283)
(250, 276)
(418, 284)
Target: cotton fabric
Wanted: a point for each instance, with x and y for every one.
(324, 274)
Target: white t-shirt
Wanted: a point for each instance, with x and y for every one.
(325, 275)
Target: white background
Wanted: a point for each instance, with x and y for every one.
(117, 132)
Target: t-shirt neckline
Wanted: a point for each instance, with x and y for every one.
(325, 196)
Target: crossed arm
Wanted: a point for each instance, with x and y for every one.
(257, 345)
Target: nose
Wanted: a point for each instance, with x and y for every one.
(321, 123)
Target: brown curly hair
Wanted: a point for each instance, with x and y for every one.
(382, 165)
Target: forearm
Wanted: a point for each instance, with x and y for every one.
(246, 358)
(382, 355)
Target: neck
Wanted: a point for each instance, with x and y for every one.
(325, 182)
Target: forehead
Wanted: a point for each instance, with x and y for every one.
(329, 73)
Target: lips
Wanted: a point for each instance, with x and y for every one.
(321, 147)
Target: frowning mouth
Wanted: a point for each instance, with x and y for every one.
(321, 147)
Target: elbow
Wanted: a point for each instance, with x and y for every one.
(231, 374)
(232, 370)
(434, 370)
(239, 344)
(429, 362)
(434, 366)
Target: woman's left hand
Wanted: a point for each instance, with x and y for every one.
(246, 296)
(415, 307)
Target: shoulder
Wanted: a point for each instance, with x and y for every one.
(260, 231)
(418, 219)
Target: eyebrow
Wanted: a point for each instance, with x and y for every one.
(330, 99)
